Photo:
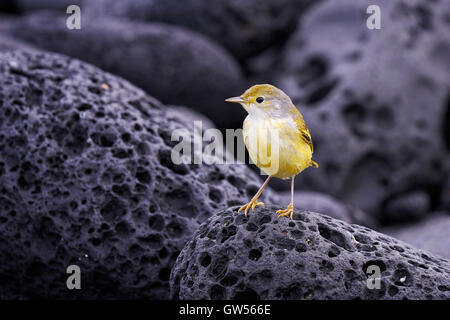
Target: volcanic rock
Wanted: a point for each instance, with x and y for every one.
(86, 178)
(312, 256)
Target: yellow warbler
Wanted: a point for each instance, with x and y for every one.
(276, 137)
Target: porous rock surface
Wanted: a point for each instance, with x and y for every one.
(174, 65)
(86, 178)
(243, 27)
(380, 94)
(311, 257)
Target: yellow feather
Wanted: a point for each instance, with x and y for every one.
(276, 137)
(275, 133)
(283, 154)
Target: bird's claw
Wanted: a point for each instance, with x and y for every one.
(289, 211)
(252, 204)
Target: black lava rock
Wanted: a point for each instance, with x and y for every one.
(176, 66)
(243, 27)
(311, 257)
(374, 100)
(86, 178)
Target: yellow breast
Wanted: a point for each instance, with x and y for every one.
(276, 146)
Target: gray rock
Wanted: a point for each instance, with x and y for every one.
(172, 64)
(373, 99)
(431, 234)
(86, 178)
(311, 257)
(406, 207)
(328, 205)
(243, 27)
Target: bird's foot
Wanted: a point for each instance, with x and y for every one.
(252, 204)
(289, 211)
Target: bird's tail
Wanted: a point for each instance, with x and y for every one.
(314, 164)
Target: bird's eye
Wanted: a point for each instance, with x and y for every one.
(259, 99)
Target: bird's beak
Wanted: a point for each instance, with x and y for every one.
(236, 100)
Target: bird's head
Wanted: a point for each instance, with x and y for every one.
(263, 99)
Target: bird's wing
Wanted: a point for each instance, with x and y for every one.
(303, 130)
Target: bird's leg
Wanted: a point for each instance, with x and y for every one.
(254, 202)
(289, 211)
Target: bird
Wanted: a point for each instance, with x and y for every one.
(276, 137)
